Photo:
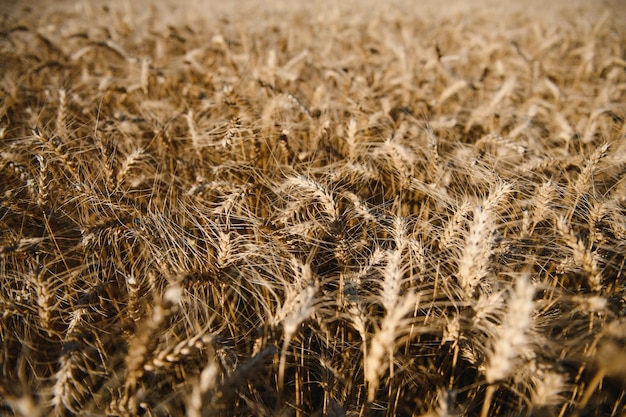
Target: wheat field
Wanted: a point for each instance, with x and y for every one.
(317, 209)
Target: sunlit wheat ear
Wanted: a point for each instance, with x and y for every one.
(451, 90)
(173, 354)
(590, 168)
(107, 159)
(130, 162)
(355, 172)
(543, 202)
(474, 262)
(47, 301)
(12, 164)
(615, 220)
(453, 229)
(350, 138)
(144, 78)
(381, 349)
(23, 405)
(299, 304)
(548, 389)
(311, 189)
(61, 122)
(583, 255)
(208, 381)
(358, 318)
(511, 340)
(482, 113)
(68, 391)
(396, 304)
(393, 275)
(435, 166)
(133, 286)
(396, 153)
(55, 146)
(599, 212)
(477, 248)
(44, 182)
(360, 207)
(196, 140)
(142, 346)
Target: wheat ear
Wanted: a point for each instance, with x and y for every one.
(208, 380)
(583, 255)
(56, 146)
(196, 140)
(384, 341)
(46, 296)
(590, 168)
(44, 183)
(351, 138)
(67, 391)
(299, 304)
(511, 338)
(61, 113)
(131, 161)
(474, 261)
(142, 346)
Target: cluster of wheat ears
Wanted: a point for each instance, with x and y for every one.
(312, 215)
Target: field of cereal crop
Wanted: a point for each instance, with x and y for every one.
(321, 209)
